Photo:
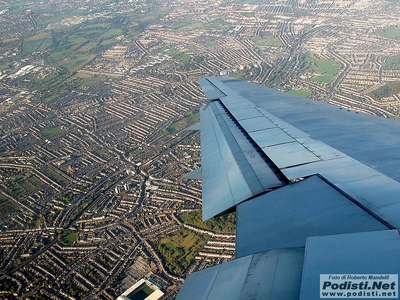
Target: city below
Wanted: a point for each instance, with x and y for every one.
(95, 97)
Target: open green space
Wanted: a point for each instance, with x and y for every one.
(330, 66)
(179, 55)
(392, 63)
(7, 206)
(10, 40)
(387, 90)
(22, 184)
(55, 176)
(75, 47)
(37, 223)
(321, 70)
(180, 249)
(213, 44)
(60, 16)
(226, 223)
(239, 75)
(31, 183)
(52, 132)
(189, 48)
(300, 93)
(70, 238)
(391, 32)
(322, 78)
(267, 40)
(77, 61)
(141, 293)
(188, 25)
(111, 33)
(107, 42)
(183, 123)
(39, 36)
(39, 41)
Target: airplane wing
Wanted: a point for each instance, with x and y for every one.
(316, 190)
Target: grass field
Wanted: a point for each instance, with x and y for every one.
(183, 123)
(226, 223)
(78, 61)
(392, 63)
(31, 183)
(75, 49)
(58, 17)
(37, 223)
(179, 55)
(239, 75)
(187, 25)
(392, 32)
(300, 93)
(322, 70)
(70, 238)
(213, 44)
(23, 184)
(39, 36)
(7, 206)
(141, 293)
(176, 241)
(180, 249)
(55, 176)
(111, 33)
(330, 67)
(53, 132)
(267, 40)
(322, 78)
(5, 41)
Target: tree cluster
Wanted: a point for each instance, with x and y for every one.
(387, 90)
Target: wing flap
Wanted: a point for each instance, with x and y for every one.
(273, 275)
(233, 168)
(287, 216)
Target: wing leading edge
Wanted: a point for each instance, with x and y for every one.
(299, 181)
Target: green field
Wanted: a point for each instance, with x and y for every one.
(59, 17)
(387, 90)
(267, 40)
(300, 93)
(7, 206)
(180, 249)
(70, 50)
(141, 293)
(111, 33)
(37, 223)
(23, 184)
(392, 32)
(55, 176)
(179, 55)
(77, 61)
(190, 48)
(53, 132)
(175, 241)
(188, 25)
(70, 238)
(239, 75)
(183, 123)
(73, 49)
(392, 63)
(322, 78)
(330, 67)
(212, 45)
(321, 70)
(225, 223)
